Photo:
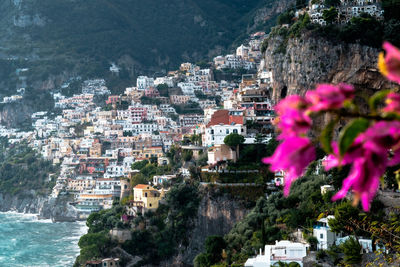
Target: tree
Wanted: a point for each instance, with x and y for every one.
(139, 165)
(187, 155)
(233, 140)
(214, 246)
(138, 179)
(163, 89)
(93, 246)
(202, 260)
(301, 3)
(352, 251)
(283, 264)
(286, 17)
(313, 241)
(331, 3)
(344, 213)
(330, 15)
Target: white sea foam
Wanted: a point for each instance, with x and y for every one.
(26, 241)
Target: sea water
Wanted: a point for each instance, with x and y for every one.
(26, 241)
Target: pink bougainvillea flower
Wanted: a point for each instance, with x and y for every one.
(369, 158)
(364, 179)
(328, 96)
(389, 64)
(392, 103)
(292, 156)
(293, 120)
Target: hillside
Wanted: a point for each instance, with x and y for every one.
(140, 36)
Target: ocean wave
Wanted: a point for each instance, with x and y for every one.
(27, 241)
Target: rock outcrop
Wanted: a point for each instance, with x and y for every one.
(57, 209)
(15, 114)
(217, 214)
(300, 63)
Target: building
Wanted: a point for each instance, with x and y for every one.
(366, 243)
(146, 196)
(109, 262)
(190, 120)
(137, 114)
(179, 99)
(347, 10)
(219, 153)
(88, 202)
(323, 233)
(144, 82)
(222, 123)
(161, 179)
(283, 251)
(169, 81)
(243, 52)
(326, 188)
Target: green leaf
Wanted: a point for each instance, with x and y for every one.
(350, 132)
(327, 136)
(377, 98)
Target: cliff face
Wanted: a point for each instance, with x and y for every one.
(217, 215)
(15, 114)
(309, 60)
(47, 208)
(27, 202)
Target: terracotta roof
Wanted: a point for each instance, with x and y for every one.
(141, 186)
(219, 116)
(222, 117)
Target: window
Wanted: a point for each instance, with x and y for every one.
(321, 236)
(150, 205)
(235, 131)
(227, 131)
(145, 194)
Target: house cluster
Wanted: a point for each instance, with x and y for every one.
(289, 252)
(96, 142)
(347, 9)
(247, 56)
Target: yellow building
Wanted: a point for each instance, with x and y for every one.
(95, 150)
(80, 184)
(147, 195)
(152, 152)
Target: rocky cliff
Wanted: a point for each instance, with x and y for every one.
(298, 64)
(15, 114)
(47, 208)
(217, 214)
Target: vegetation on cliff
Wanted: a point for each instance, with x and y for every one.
(22, 169)
(365, 29)
(156, 235)
(277, 217)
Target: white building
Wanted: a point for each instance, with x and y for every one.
(160, 179)
(140, 128)
(188, 88)
(144, 82)
(113, 171)
(242, 51)
(233, 62)
(164, 80)
(283, 251)
(323, 233)
(216, 134)
(366, 244)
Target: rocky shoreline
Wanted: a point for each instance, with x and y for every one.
(56, 209)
